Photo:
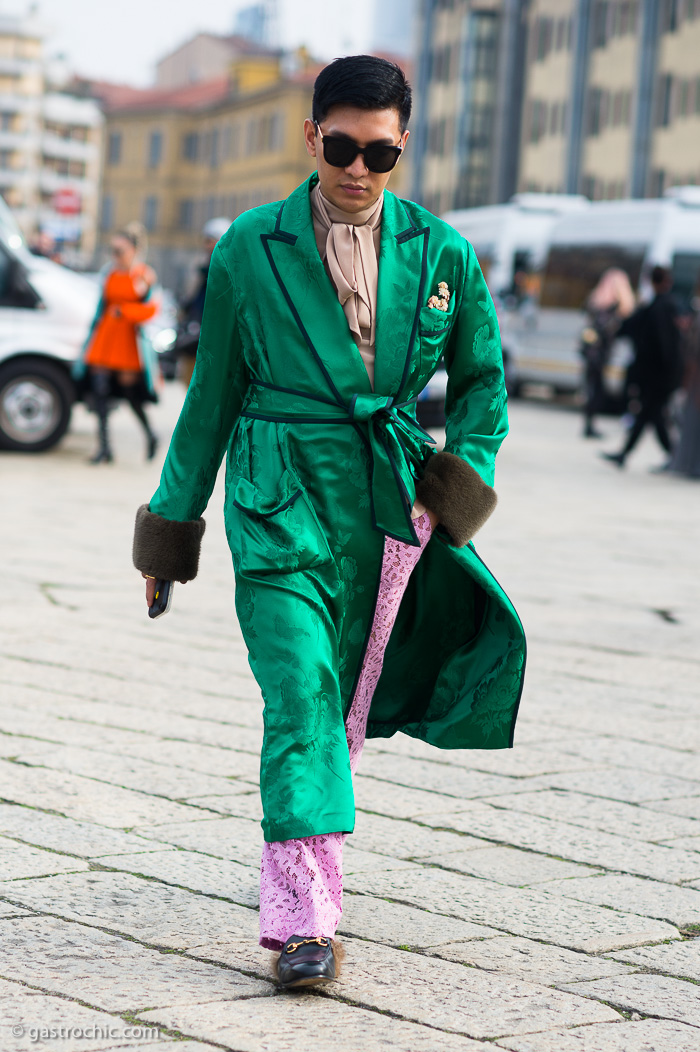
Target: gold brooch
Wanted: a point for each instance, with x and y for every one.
(442, 300)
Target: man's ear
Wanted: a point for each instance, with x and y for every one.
(310, 137)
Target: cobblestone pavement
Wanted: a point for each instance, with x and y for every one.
(545, 899)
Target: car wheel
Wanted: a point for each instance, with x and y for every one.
(36, 397)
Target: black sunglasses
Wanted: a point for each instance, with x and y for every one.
(340, 153)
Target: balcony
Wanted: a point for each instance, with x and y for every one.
(53, 145)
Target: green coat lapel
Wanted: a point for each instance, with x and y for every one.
(403, 261)
(298, 269)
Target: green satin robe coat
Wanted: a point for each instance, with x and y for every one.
(319, 467)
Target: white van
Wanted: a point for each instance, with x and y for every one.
(511, 242)
(634, 235)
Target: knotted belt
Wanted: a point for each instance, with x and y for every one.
(394, 438)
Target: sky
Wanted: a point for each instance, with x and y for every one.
(122, 40)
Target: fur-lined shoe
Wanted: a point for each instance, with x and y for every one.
(307, 962)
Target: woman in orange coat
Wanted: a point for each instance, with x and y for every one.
(116, 356)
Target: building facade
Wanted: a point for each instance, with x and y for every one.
(612, 97)
(469, 74)
(50, 143)
(175, 159)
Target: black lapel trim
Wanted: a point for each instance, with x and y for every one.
(401, 239)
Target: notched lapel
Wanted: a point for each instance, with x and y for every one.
(298, 269)
(403, 262)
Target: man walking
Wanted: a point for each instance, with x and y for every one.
(657, 369)
(364, 607)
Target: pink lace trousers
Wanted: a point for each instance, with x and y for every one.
(301, 881)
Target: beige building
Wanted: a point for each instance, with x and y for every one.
(612, 97)
(50, 143)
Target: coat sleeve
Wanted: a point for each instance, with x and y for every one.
(457, 484)
(169, 530)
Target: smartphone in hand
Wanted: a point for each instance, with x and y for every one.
(162, 599)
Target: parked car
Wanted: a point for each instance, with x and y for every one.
(45, 315)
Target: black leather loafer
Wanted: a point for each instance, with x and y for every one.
(306, 962)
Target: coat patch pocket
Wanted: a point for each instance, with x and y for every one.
(434, 329)
(275, 534)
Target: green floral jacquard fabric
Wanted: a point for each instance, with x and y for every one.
(302, 499)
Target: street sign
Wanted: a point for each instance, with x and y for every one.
(67, 202)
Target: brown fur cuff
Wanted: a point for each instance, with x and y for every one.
(457, 494)
(165, 548)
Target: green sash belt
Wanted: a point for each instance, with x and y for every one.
(394, 439)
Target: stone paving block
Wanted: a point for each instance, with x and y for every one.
(85, 799)
(590, 847)
(592, 812)
(684, 843)
(646, 1035)
(623, 784)
(656, 995)
(517, 911)
(132, 773)
(195, 757)
(84, 839)
(237, 839)
(188, 869)
(640, 756)
(147, 910)
(398, 801)
(452, 997)
(391, 836)
(397, 925)
(673, 958)
(688, 806)
(649, 898)
(24, 728)
(109, 972)
(533, 961)
(244, 802)
(294, 1023)
(18, 861)
(509, 865)
(35, 1011)
(438, 777)
(358, 861)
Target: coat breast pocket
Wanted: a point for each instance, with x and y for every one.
(275, 534)
(434, 330)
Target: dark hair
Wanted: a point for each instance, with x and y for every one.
(660, 276)
(365, 81)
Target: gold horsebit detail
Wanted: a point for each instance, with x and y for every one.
(320, 941)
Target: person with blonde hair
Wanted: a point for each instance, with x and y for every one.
(118, 360)
(611, 301)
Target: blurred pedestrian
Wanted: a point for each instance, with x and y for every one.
(359, 619)
(611, 301)
(686, 456)
(118, 360)
(657, 370)
(192, 308)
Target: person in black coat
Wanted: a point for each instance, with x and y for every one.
(657, 370)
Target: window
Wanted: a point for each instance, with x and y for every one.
(276, 140)
(114, 148)
(670, 16)
(544, 32)
(6, 121)
(186, 217)
(601, 23)
(5, 159)
(573, 271)
(155, 149)
(214, 148)
(107, 213)
(190, 146)
(664, 95)
(150, 213)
